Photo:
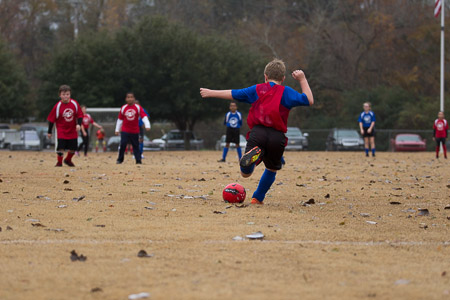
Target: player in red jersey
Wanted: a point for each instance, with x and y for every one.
(100, 140)
(440, 133)
(86, 123)
(68, 116)
(128, 127)
(267, 119)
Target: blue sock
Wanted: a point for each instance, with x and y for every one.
(225, 151)
(264, 185)
(373, 151)
(283, 162)
(239, 151)
(367, 151)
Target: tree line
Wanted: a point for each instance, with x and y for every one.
(384, 51)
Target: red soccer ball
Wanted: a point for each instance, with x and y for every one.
(234, 193)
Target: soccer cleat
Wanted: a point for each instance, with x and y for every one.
(58, 164)
(139, 162)
(256, 201)
(69, 163)
(250, 157)
(119, 162)
(221, 160)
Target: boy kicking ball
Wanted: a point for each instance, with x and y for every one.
(68, 116)
(267, 119)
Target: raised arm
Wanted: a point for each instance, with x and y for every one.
(222, 94)
(301, 78)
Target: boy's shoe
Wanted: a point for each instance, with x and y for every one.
(256, 201)
(367, 154)
(221, 160)
(58, 164)
(119, 162)
(250, 157)
(77, 153)
(69, 163)
(139, 162)
(373, 155)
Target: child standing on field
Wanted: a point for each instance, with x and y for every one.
(267, 119)
(100, 140)
(233, 122)
(440, 128)
(128, 127)
(367, 127)
(86, 123)
(68, 116)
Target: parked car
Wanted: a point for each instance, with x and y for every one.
(408, 142)
(4, 126)
(220, 144)
(7, 136)
(29, 140)
(344, 139)
(113, 143)
(296, 139)
(174, 140)
(42, 133)
(151, 146)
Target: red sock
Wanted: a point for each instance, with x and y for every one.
(104, 149)
(69, 156)
(445, 150)
(96, 149)
(437, 151)
(60, 157)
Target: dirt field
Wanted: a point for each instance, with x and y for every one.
(326, 250)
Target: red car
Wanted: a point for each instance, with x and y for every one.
(408, 142)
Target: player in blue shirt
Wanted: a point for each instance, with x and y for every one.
(233, 121)
(367, 126)
(141, 132)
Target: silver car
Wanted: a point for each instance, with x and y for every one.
(220, 144)
(296, 139)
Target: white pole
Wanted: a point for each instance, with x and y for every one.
(442, 54)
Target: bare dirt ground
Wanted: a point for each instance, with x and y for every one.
(326, 250)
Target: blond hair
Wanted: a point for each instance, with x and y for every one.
(275, 70)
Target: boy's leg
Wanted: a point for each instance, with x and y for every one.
(104, 145)
(372, 143)
(444, 147)
(96, 146)
(86, 143)
(225, 152)
(122, 147)
(366, 145)
(60, 145)
(438, 143)
(272, 159)
(72, 146)
(239, 151)
(266, 181)
(134, 139)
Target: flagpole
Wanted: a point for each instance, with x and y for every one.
(442, 53)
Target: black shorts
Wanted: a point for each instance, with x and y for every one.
(439, 141)
(64, 144)
(233, 136)
(272, 143)
(367, 134)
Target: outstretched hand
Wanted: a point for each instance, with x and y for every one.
(205, 93)
(298, 75)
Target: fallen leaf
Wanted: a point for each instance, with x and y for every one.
(9, 228)
(219, 212)
(96, 289)
(74, 256)
(66, 181)
(100, 225)
(138, 296)
(77, 199)
(143, 253)
(238, 238)
(394, 203)
(37, 225)
(327, 196)
(371, 222)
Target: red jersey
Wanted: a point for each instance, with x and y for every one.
(130, 115)
(65, 116)
(267, 110)
(87, 120)
(440, 128)
(100, 135)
